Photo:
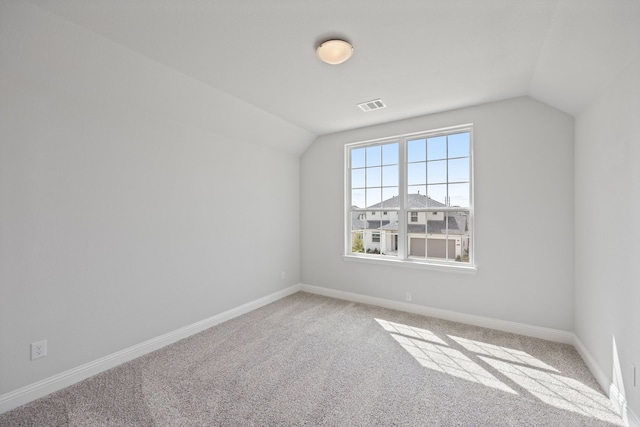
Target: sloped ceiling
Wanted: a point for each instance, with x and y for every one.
(419, 56)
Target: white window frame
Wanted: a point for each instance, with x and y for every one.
(402, 259)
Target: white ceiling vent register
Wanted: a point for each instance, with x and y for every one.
(375, 104)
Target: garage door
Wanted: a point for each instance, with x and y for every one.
(436, 248)
(417, 247)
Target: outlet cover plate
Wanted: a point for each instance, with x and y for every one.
(38, 349)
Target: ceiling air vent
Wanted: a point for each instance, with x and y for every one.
(376, 104)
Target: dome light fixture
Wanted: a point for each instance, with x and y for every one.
(335, 51)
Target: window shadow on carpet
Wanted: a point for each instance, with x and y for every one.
(509, 370)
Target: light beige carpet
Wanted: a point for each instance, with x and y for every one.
(308, 360)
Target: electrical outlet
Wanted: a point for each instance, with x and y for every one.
(38, 349)
(634, 380)
(407, 296)
(283, 275)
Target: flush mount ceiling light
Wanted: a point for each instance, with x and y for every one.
(335, 51)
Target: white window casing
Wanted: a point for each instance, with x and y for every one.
(409, 200)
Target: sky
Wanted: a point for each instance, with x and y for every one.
(438, 166)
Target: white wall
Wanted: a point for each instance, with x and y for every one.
(133, 200)
(607, 231)
(524, 195)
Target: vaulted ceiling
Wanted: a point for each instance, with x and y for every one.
(419, 56)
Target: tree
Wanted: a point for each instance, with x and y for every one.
(357, 244)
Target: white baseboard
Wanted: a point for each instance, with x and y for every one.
(617, 398)
(57, 382)
(470, 319)
(595, 369)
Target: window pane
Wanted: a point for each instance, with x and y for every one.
(459, 170)
(416, 150)
(357, 178)
(416, 173)
(373, 156)
(459, 233)
(416, 198)
(357, 198)
(357, 158)
(437, 172)
(390, 154)
(380, 234)
(370, 245)
(374, 177)
(357, 241)
(437, 242)
(437, 148)
(459, 145)
(459, 195)
(437, 194)
(373, 196)
(390, 176)
(389, 242)
(447, 236)
(373, 221)
(440, 248)
(416, 235)
(390, 197)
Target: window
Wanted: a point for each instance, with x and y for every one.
(410, 198)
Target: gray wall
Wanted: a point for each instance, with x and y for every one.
(129, 195)
(607, 231)
(523, 218)
(133, 200)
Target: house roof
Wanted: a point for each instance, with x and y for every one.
(457, 225)
(561, 52)
(457, 220)
(414, 201)
(357, 223)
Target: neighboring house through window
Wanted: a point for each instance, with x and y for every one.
(410, 198)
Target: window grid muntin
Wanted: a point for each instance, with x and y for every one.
(402, 210)
(437, 168)
(375, 188)
(464, 240)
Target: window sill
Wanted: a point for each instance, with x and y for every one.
(453, 268)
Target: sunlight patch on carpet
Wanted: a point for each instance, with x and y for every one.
(557, 390)
(503, 353)
(410, 331)
(433, 353)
